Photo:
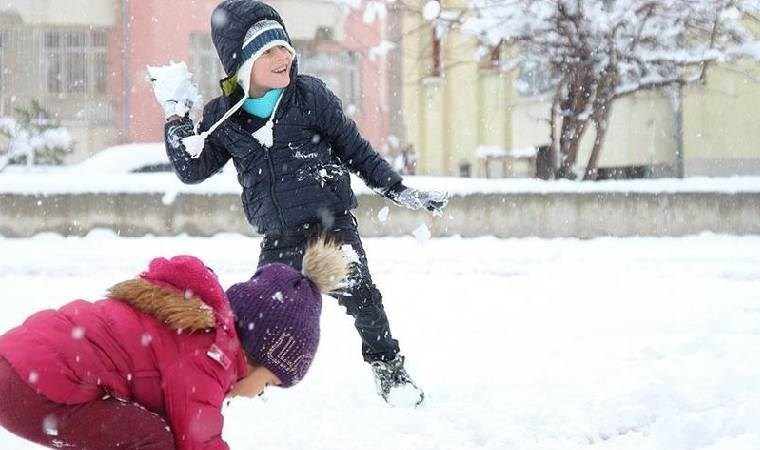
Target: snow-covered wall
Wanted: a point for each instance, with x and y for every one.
(503, 214)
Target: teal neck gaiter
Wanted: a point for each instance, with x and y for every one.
(263, 106)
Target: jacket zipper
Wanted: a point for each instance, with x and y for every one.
(270, 165)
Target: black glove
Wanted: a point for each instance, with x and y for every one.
(433, 201)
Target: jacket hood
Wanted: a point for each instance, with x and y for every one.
(179, 291)
(170, 307)
(230, 22)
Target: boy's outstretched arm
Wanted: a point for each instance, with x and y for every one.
(191, 170)
(349, 145)
(176, 93)
(357, 153)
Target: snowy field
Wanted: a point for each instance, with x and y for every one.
(648, 343)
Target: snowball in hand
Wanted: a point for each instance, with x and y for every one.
(172, 83)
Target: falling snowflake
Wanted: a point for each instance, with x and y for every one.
(350, 254)
(50, 425)
(431, 10)
(169, 197)
(422, 234)
(77, 333)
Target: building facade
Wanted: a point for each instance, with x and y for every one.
(461, 111)
(85, 62)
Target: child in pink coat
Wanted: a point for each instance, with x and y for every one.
(149, 366)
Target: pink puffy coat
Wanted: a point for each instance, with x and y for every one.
(165, 340)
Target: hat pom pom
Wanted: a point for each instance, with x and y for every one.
(325, 264)
(194, 144)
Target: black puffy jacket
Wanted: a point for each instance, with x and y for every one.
(304, 176)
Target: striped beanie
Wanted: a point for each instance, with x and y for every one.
(262, 36)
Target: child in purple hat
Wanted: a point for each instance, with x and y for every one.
(149, 366)
(277, 311)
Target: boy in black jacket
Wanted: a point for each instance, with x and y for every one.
(293, 148)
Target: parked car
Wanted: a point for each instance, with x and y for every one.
(128, 158)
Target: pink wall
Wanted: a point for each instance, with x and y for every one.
(373, 117)
(159, 31)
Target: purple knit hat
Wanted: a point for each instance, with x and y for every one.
(277, 311)
(277, 318)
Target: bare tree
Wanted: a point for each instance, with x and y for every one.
(599, 51)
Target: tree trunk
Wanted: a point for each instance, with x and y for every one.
(573, 129)
(593, 161)
(602, 110)
(553, 144)
(573, 108)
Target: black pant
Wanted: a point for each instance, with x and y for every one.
(361, 298)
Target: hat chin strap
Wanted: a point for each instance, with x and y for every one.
(194, 144)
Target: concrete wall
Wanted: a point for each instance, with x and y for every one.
(582, 215)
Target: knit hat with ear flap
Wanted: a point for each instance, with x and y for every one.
(260, 37)
(277, 311)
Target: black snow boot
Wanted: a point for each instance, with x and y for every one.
(394, 384)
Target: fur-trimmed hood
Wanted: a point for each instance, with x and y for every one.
(173, 308)
(180, 291)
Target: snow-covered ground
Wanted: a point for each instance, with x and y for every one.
(646, 343)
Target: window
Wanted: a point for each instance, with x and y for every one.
(6, 54)
(3, 69)
(535, 78)
(205, 65)
(75, 61)
(337, 67)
